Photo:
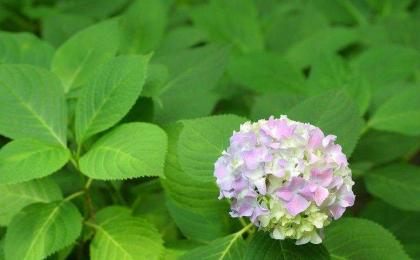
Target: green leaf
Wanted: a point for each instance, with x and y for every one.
(174, 250)
(17, 196)
(181, 38)
(397, 184)
(194, 146)
(112, 213)
(24, 48)
(26, 159)
(379, 147)
(265, 72)
(32, 104)
(262, 246)
(326, 42)
(2, 257)
(109, 95)
(202, 141)
(225, 248)
(400, 113)
(386, 64)
(230, 22)
(75, 62)
(143, 26)
(40, 230)
(193, 73)
(403, 224)
(91, 8)
(334, 113)
(296, 20)
(131, 150)
(331, 73)
(274, 104)
(352, 238)
(55, 33)
(125, 237)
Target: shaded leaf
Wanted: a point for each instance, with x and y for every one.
(76, 61)
(230, 22)
(265, 72)
(262, 246)
(400, 113)
(397, 184)
(352, 238)
(403, 224)
(143, 26)
(379, 147)
(192, 76)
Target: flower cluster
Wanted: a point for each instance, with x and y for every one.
(287, 177)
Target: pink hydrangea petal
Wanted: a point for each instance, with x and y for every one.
(285, 194)
(315, 138)
(297, 205)
(337, 211)
(320, 195)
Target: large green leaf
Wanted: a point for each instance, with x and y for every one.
(230, 22)
(131, 150)
(91, 8)
(55, 33)
(296, 20)
(32, 104)
(274, 104)
(76, 61)
(225, 248)
(352, 238)
(24, 48)
(143, 26)
(194, 146)
(262, 246)
(119, 236)
(331, 73)
(400, 113)
(26, 159)
(387, 64)
(379, 147)
(40, 230)
(397, 184)
(403, 224)
(109, 95)
(266, 72)
(192, 75)
(325, 42)
(17, 196)
(335, 113)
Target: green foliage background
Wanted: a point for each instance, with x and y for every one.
(112, 114)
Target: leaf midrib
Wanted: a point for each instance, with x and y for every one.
(50, 217)
(33, 112)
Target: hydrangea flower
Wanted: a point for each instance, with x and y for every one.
(287, 177)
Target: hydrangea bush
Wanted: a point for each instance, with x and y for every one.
(116, 122)
(287, 177)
